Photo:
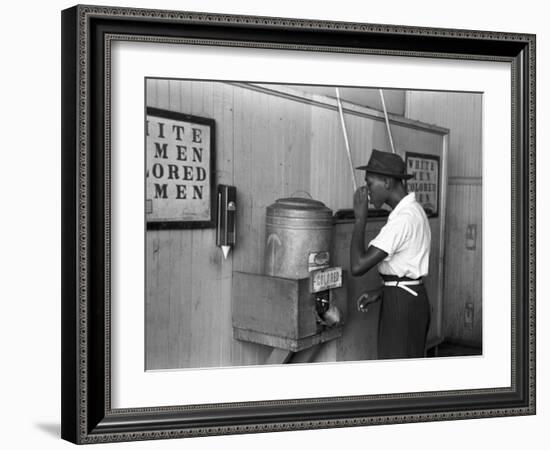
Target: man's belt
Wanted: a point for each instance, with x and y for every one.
(403, 284)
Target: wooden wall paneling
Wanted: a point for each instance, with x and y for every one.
(339, 160)
(472, 332)
(380, 140)
(152, 347)
(241, 157)
(223, 112)
(160, 324)
(163, 94)
(295, 131)
(244, 178)
(186, 334)
(175, 95)
(150, 92)
(465, 332)
(275, 154)
(335, 166)
(477, 335)
(332, 168)
(453, 274)
(342, 178)
(320, 121)
(206, 263)
(458, 280)
(245, 256)
(327, 149)
(253, 120)
(243, 160)
(278, 108)
(462, 114)
(302, 155)
(159, 327)
(211, 281)
(477, 135)
(356, 129)
(466, 116)
(331, 179)
(361, 142)
(280, 119)
(185, 289)
(280, 133)
(262, 177)
(179, 273)
(464, 282)
(211, 278)
(154, 342)
(180, 294)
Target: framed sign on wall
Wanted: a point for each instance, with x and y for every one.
(180, 170)
(426, 180)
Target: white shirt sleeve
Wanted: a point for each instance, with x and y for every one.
(393, 236)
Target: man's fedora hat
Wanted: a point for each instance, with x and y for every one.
(385, 163)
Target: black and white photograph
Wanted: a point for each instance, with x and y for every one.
(301, 222)
(275, 225)
(295, 223)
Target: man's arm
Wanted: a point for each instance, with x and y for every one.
(361, 259)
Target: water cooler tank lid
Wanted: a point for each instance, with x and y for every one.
(300, 203)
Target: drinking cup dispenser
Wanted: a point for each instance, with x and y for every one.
(225, 220)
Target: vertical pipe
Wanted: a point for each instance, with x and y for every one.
(387, 120)
(345, 133)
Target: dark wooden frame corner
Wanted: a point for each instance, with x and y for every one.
(87, 32)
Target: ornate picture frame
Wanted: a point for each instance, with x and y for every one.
(88, 416)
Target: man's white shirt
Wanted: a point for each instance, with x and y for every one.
(406, 239)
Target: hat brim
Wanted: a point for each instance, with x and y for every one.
(403, 176)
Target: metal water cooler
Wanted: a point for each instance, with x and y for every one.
(299, 299)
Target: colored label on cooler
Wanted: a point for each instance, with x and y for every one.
(324, 279)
